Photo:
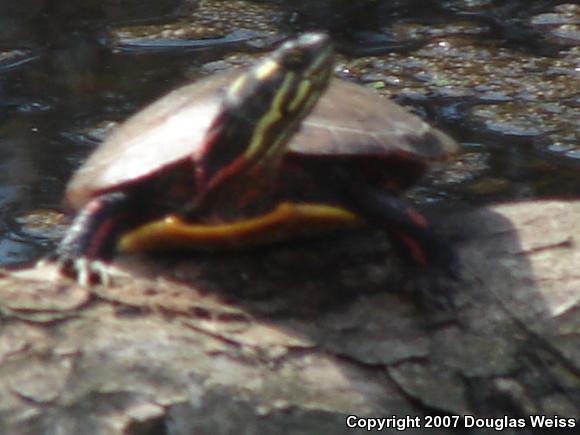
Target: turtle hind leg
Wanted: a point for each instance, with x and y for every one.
(90, 241)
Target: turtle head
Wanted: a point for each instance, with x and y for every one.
(263, 107)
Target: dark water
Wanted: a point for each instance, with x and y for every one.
(57, 79)
(63, 73)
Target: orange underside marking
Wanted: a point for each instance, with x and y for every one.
(286, 221)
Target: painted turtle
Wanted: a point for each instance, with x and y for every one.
(255, 157)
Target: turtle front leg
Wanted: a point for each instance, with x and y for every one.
(413, 237)
(90, 241)
(434, 261)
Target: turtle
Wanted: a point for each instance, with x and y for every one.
(277, 151)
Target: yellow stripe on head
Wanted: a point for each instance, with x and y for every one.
(270, 118)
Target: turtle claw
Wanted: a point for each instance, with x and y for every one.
(84, 271)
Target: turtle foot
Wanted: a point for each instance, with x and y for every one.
(84, 270)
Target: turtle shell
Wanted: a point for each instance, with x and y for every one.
(352, 120)
(348, 120)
